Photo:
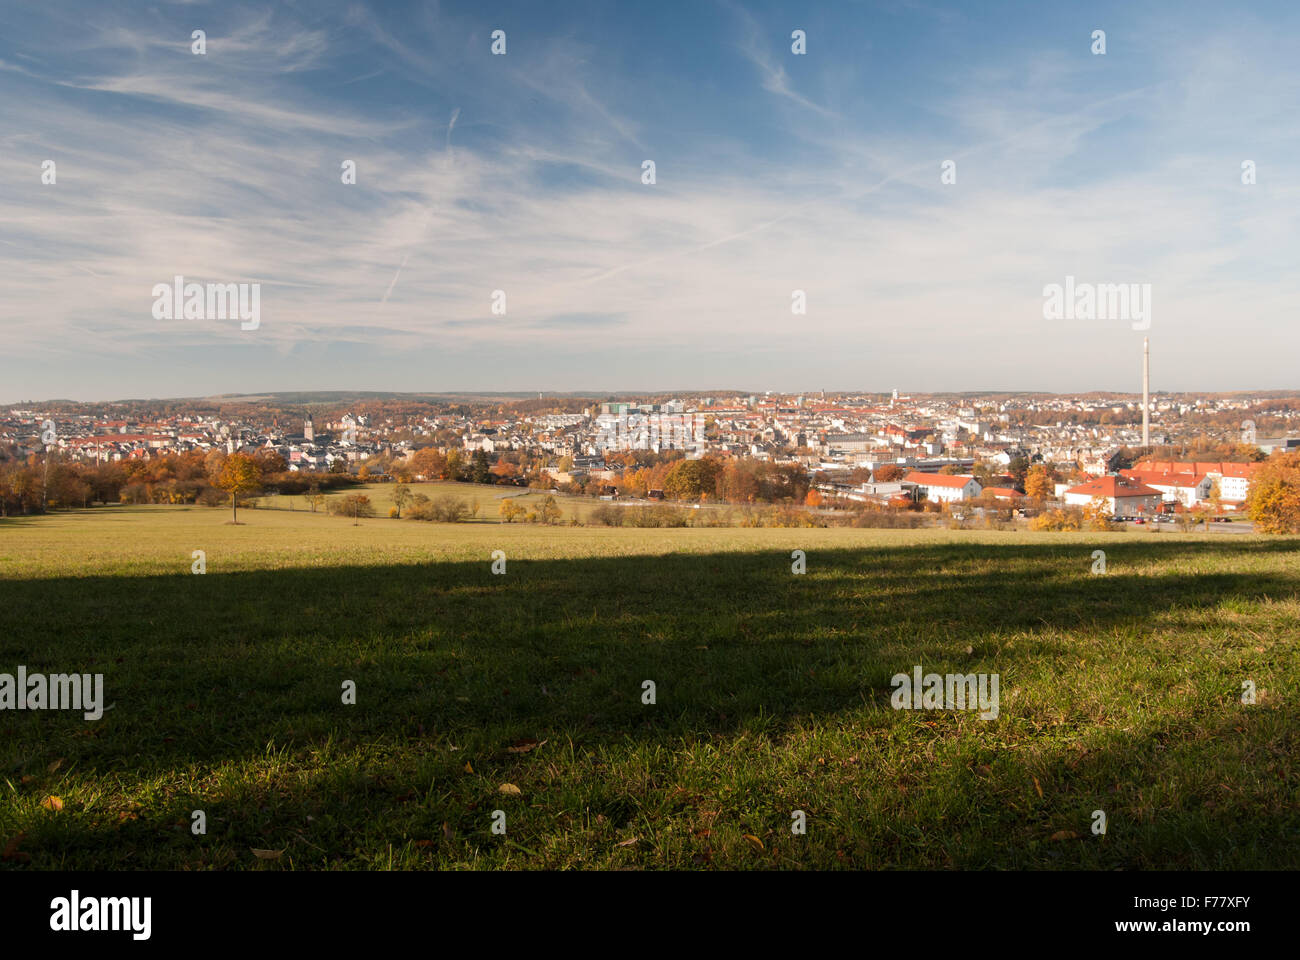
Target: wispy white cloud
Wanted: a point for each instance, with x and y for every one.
(168, 167)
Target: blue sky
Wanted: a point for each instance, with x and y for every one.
(522, 173)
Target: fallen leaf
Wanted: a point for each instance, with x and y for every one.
(52, 803)
(1065, 835)
(754, 842)
(1037, 787)
(446, 831)
(510, 788)
(424, 843)
(626, 843)
(11, 851)
(468, 768)
(524, 745)
(26, 780)
(54, 766)
(266, 854)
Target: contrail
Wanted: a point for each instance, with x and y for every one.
(395, 276)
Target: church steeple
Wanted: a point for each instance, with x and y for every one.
(308, 430)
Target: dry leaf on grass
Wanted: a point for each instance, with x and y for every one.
(754, 842)
(12, 853)
(1065, 835)
(52, 803)
(510, 788)
(524, 745)
(626, 843)
(267, 854)
(1037, 787)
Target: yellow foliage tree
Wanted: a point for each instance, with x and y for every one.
(1274, 499)
(239, 474)
(1040, 482)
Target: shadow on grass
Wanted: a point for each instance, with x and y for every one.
(226, 693)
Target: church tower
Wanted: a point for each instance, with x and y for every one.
(308, 430)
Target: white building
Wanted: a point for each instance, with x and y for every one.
(943, 488)
(1122, 497)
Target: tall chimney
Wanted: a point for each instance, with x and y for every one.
(1146, 392)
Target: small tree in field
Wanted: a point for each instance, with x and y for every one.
(239, 474)
(550, 510)
(511, 511)
(401, 497)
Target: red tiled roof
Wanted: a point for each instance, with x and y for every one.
(1003, 492)
(1165, 479)
(1113, 487)
(1225, 467)
(938, 480)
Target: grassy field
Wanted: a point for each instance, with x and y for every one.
(522, 693)
(487, 497)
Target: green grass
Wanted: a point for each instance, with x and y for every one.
(1118, 692)
(487, 497)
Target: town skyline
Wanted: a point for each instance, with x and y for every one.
(336, 394)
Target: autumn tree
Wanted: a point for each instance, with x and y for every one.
(429, 462)
(1274, 499)
(1018, 468)
(1215, 496)
(889, 473)
(455, 468)
(401, 497)
(691, 479)
(1040, 483)
(314, 496)
(549, 512)
(239, 474)
(354, 505)
(510, 510)
(269, 461)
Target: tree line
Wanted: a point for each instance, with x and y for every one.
(212, 478)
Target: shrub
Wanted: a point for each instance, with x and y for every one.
(1064, 519)
(353, 505)
(888, 520)
(212, 497)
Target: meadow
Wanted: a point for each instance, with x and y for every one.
(523, 693)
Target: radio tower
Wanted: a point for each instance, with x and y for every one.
(1146, 392)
